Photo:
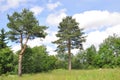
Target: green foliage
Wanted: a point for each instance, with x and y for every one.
(24, 24)
(69, 30)
(6, 61)
(61, 62)
(36, 60)
(43, 62)
(108, 55)
(15, 71)
(40, 56)
(79, 60)
(90, 55)
(62, 56)
(3, 39)
(28, 61)
(109, 52)
(76, 64)
(51, 62)
(6, 55)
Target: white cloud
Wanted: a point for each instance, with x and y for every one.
(48, 42)
(37, 10)
(114, 29)
(8, 4)
(52, 6)
(15, 48)
(75, 51)
(35, 42)
(50, 37)
(97, 37)
(54, 18)
(97, 19)
(51, 51)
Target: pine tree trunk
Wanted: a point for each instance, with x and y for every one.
(20, 65)
(69, 55)
(21, 55)
(20, 61)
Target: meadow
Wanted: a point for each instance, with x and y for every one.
(60, 74)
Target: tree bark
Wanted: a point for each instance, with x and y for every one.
(21, 55)
(69, 54)
(20, 61)
(20, 65)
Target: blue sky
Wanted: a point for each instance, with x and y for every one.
(99, 18)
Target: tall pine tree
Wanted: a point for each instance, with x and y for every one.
(24, 26)
(70, 37)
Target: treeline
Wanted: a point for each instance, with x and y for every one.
(37, 59)
(108, 55)
(34, 60)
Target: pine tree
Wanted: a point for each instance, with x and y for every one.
(24, 26)
(70, 37)
(3, 39)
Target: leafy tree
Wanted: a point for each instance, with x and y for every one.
(42, 61)
(76, 64)
(24, 26)
(15, 63)
(109, 52)
(28, 61)
(61, 60)
(51, 62)
(6, 61)
(40, 56)
(90, 55)
(3, 39)
(85, 59)
(79, 60)
(70, 37)
(60, 64)
(36, 59)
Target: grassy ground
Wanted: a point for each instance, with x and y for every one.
(103, 74)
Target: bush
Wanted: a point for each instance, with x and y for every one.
(6, 61)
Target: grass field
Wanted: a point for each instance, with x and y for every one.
(98, 74)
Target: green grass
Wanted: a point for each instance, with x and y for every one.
(103, 74)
